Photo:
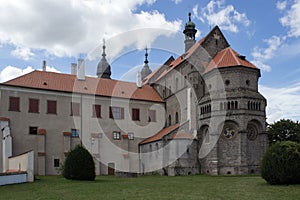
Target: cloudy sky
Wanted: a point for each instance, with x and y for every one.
(60, 32)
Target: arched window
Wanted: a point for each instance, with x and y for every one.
(236, 105)
(176, 118)
(232, 105)
(228, 105)
(206, 135)
(170, 120)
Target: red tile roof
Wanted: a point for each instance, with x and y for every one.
(225, 58)
(181, 135)
(160, 134)
(228, 58)
(95, 86)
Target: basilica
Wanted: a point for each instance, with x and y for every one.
(200, 112)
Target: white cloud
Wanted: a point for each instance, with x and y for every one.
(282, 102)
(67, 28)
(261, 65)
(291, 19)
(177, 1)
(11, 72)
(261, 55)
(22, 53)
(225, 16)
(281, 5)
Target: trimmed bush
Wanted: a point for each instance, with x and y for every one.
(281, 163)
(79, 165)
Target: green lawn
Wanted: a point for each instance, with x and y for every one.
(152, 187)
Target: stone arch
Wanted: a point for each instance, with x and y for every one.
(201, 131)
(256, 124)
(228, 149)
(254, 150)
(227, 123)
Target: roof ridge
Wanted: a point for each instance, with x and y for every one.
(234, 55)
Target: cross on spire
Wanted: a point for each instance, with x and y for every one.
(146, 56)
(103, 54)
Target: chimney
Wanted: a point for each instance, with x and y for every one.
(139, 79)
(44, 65)
(74, 68)
(81, 69)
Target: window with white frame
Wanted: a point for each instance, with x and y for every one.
(130, 136)
(116, 135)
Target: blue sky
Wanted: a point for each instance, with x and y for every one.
(267, 32)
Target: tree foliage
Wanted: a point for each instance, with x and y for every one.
(281, 163)
(79, 165)
(284, 130)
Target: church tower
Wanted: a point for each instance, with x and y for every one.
(103, 70)
(189, 33)
(146, 70)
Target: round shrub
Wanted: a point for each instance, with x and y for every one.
(79, 165)
(281, 163)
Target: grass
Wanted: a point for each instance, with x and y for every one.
(151, 187)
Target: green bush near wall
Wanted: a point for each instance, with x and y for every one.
(79, 165)
(281, 163)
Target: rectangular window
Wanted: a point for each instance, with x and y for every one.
(33, 106)
(51, 107)
(152, 116)
(74, 133)
(33, 130)
(97, 110)
(56, 162)
(14, 104)
(130, 136)
(116, 135)
(116, 112)
(75, 109)
(135, 114)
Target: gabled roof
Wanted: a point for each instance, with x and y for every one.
(95, 86)
(224, 58)
(228, 58)
(160, 134)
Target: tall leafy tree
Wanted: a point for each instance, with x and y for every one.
(284, 130)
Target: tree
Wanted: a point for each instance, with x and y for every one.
(281, 163)
(79, 165)
(284, 130)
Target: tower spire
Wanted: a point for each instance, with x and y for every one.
(103, 47)
(190, 33)
(146, 69)
(146, 56)
(103, 69)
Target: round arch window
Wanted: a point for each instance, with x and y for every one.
(252, 133)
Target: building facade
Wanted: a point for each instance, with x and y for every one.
(198, 113)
